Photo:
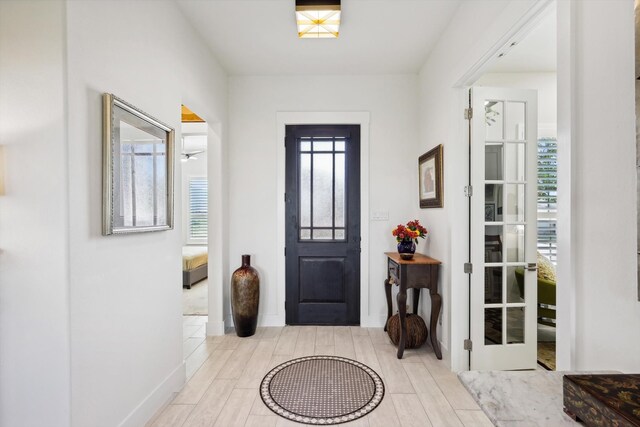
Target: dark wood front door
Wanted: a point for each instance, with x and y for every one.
(322, 225)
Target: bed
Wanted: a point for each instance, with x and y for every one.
(194, 265)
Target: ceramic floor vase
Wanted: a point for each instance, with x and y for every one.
(245, 298)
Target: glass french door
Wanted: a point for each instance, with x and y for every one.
(503, 228)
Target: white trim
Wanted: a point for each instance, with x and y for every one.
(216, 245)
(566, 235)
(298, 118)
(157, 398)
(459, 308)
(516, 33)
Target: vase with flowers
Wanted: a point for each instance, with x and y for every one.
(407, 237)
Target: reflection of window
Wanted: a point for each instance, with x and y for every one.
(198, 210)
(547, 197)
(142, 174)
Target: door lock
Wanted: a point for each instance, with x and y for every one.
(532, 266)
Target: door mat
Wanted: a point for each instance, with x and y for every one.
(322, 390)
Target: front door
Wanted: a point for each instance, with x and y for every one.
(503, 228)
(322, 224)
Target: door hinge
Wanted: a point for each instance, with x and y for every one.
(468, 268)
(468, 190)
(285, 251)
(532, 266)
(468, 113)
(285, 197)
(468, 345)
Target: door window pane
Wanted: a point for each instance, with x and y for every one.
(515, 118)
(493, 118)
(493, 203)
(516, 166)
(515, 202)
(514, 242)
(305, 190)
(493, 162)
(493, 285)
(515, 284)
(322, 190)
(493, 326)
(339, 196)
(515, 325)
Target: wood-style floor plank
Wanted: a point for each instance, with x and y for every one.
(410, 411)
(193, 391)
(395, 377)
(306, 343)
(209, 407)
(343, 342)
(172, 416)
(236, 410)
(435, 404)
(287, 340)
(238, 360)
(225, 374)
(256, 368)
(474, 418)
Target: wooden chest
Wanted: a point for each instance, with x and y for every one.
(603, 400)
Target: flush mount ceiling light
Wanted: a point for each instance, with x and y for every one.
(318, 19)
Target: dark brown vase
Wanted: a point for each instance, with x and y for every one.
(245, 298)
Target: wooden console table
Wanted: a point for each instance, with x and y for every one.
(419, 272)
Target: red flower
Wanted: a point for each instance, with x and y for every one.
(413, 230)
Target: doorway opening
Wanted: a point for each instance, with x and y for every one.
(528, 64)
(193, 162)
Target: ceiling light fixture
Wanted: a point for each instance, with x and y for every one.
(318, 19)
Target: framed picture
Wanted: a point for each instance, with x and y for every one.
(430, 183)
(489, 212)
(137, 170)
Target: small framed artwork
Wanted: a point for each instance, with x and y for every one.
(137, 170)
(430, 183)
(489, 212)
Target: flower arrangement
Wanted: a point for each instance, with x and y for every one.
(412, 231)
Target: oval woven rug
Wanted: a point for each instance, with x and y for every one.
(322, 390)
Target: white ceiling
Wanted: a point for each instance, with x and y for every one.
(536, 52)
(259, 37)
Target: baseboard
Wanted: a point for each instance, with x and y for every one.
(263, 320)
(156, 399)
(215, 328)
(373, 321)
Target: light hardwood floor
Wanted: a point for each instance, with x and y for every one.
(224, 374)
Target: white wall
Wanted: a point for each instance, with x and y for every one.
(472, 32)
(253, 104)
(34, 264)
(600, 315)
(546, 86)
(604, 309)
(126, 325)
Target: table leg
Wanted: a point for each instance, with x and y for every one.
(387, 292)
(402, 310)
(416, 299)
(436, 305)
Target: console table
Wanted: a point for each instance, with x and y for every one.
(419, 272)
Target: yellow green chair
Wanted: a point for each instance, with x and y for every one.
(546, 293)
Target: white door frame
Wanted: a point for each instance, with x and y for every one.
(566, 326)
(338, 118)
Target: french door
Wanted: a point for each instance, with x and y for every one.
(322, 224)
(503, 293)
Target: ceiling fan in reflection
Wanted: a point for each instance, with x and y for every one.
(191, 155)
